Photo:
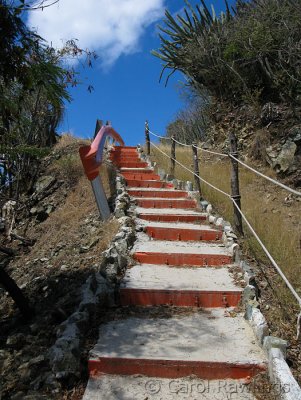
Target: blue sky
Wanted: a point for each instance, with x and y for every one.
(125, 76)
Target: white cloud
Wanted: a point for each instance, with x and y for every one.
(109, 27)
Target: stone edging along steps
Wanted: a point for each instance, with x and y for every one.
(186, 277)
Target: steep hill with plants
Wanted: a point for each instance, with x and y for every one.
(243, 68)
(34, 83)
(56, 242)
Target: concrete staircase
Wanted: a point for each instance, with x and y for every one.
(191, 325)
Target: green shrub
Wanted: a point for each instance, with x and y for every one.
(254, 49)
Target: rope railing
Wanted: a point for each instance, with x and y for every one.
(295, 294)
(201, 148)
(274, 181)
(189, 170)
(181, 144)
(212, 152)
(188, 145)
(235, 199)
(158, 136)
(266, 177)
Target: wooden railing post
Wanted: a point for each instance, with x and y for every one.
(172, 157)
(196, 169)
(147, 141)
(235, 193)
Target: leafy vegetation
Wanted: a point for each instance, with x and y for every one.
(33, 90)
(190, 124)
(249, 53)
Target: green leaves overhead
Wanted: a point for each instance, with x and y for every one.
(33, 89)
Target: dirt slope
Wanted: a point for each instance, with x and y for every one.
(61, 218)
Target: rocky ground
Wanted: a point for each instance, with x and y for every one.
(64, 243)
(270, 135)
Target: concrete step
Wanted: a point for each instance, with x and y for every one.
(122, 387)
(118, 158)
(160, 193)
(129, 176)
(120, 161)
(151, 285)
(200, 254)
(131, 164)
(183, 203)
(148, 184)
(137, 170)
(170, 215)
(205, 344)
(180, 231)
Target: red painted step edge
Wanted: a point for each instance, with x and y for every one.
(122, 161)
(124, 147)
(145, 171)
(123, 150)
(121, 154)
(172, 194)
(178, 259)
(179, 298)
(172, 368)
(172, 217)
(166, 203)
(146, 184)
(132, 164)
(125, 156)
(159, 233)
(140, 176)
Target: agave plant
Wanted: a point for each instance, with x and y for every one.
(249, 52)
(185, 33)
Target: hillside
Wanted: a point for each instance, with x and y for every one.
(67, 238)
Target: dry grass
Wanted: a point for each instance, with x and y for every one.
(67, 139)
(276, 220)
(68, 223)
(69, 168)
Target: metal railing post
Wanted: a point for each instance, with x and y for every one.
(196, 169)
(235, 193)
(101, 198)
